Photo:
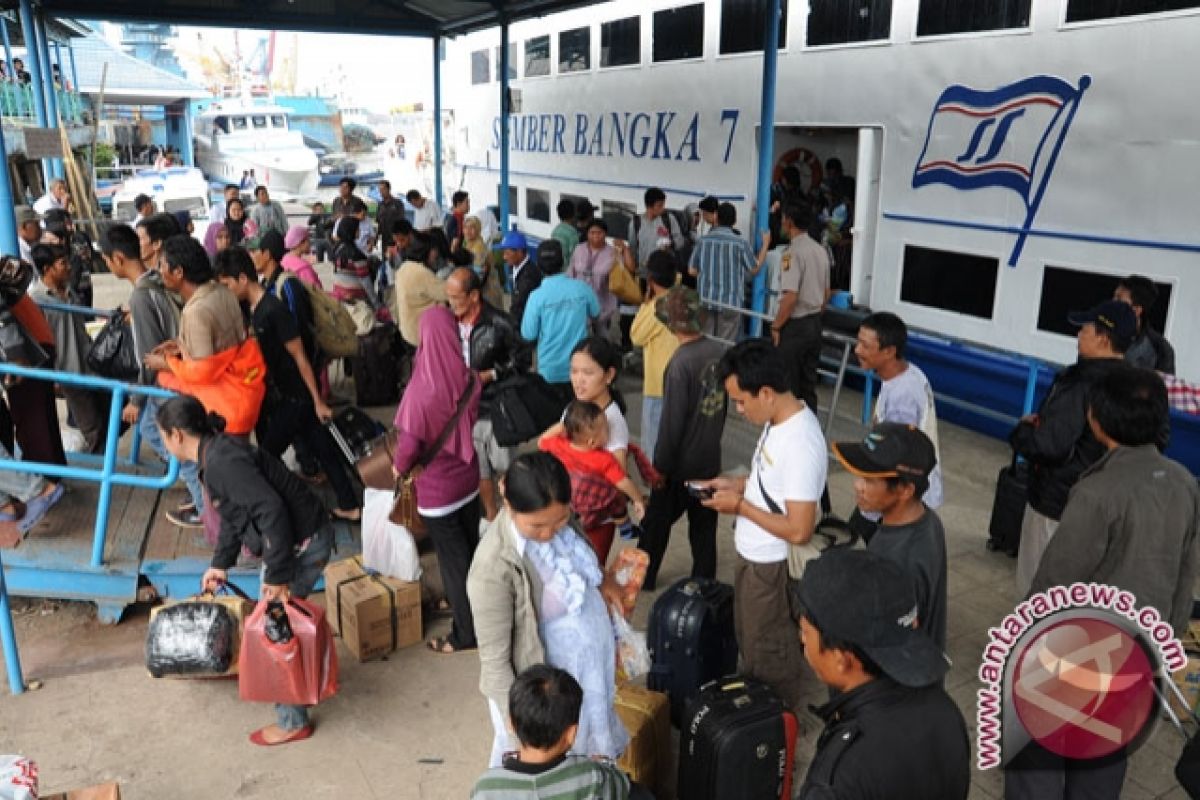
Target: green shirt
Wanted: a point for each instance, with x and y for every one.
(570, 778)
(569, 237)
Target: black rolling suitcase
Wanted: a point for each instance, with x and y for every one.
(1008, 508)
(738, 741)
(377, 367)
(353, 430)
(691, 640)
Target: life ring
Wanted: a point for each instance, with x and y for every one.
(804, 159)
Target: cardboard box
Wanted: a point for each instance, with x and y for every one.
(104, 791)
(1188, 681)
(373, 614)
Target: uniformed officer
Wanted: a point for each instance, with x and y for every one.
(890, 730)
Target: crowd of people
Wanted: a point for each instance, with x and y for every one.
(523, 534)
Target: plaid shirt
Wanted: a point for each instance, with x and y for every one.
(1181, 395)
(595, 500)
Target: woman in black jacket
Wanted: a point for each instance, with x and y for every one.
(263, 507)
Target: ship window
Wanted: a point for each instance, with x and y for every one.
(617, 217)
(479, 67)
(575, 50)
(259, 121)
(679, 33)
(743, 22)
(621, 42)
(537, 56)
(838, 22)
(1086, 10)
(239, 123)
(513, 196)
(958, 282)
(512, 62)
(1066, 290)
(278, 121)
(537, 205)
(575, 200)
(938, 17)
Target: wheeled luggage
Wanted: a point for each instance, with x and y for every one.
(647, 717)
(692, 639)
(377, 367)
(738, 741)
(1008, 508)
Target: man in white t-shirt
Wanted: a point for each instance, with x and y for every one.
(776, 505)
(426, 213)
(905, 395)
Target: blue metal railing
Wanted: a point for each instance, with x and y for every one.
(107, 476)
(16, 102)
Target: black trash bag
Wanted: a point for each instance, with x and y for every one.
(112, 354)
(276, 627)
(191, 638)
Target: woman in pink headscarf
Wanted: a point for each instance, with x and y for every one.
(448, 484)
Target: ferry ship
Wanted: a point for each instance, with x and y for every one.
(235, 136)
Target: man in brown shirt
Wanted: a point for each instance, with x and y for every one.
(417, 287)
(804, 283)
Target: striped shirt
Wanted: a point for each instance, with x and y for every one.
(572, 778)
(723, 260)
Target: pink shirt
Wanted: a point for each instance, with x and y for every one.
(303, 270)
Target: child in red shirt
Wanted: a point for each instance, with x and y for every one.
(597, 479)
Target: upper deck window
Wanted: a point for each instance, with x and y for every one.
(1088, 10)
(938, 17)
(278, 121)
(575, 50)
(743, 22)
(239, 123)
(838, 22)
(1065, 290)
(259, 120)
(537, 56)
(959, 282)
(679, 33)
(480, 69)
(512, 62)
(621, 42)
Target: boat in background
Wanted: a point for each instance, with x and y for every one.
(235, 136)
(173, 189)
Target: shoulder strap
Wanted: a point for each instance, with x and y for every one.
(435, 448)
(772, 506)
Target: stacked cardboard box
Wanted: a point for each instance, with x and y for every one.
(373, 614)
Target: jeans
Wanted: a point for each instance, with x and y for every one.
(23, 486)
(188, 470)
(309, 566)
(651, 419)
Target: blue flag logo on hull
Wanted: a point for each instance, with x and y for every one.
(1008, 137)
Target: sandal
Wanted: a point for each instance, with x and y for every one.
(297, 735)
(442, 646)
(442, 606)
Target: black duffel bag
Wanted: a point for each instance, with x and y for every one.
(523, 406)
(112, 354)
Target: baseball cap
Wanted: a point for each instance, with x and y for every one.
(679, 309)
(889, 450)
(514, 240)
(550, 257)
(709, 204)
(866, 600)
(271, 241)
(1114, 316)
(26, 214)
(295, 235)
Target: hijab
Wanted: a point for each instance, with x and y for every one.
(210, 238)
(439, 377)
(236, 227)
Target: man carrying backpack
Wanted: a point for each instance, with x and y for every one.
(653, 230)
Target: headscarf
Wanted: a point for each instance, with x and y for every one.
(237, 227)
(210, 238)
(184, 218)
(439, 377)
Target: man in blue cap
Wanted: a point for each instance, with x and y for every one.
(525, 275)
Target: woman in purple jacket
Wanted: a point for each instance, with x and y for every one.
(448, 485)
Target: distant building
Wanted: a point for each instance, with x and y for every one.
(149, 42)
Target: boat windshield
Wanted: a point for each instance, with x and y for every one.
(259, 121)
(279, 121)
(239, 123)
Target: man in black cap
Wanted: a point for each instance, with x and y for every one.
(890, 730)
(557, 316)
(891, 467)
(1149, 349)
(1056, 441)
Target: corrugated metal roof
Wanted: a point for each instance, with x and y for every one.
(129, 81)
(426, 18)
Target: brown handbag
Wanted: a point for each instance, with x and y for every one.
(404, 502)
(375, 468)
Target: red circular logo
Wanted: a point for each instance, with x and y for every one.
(1083, 688)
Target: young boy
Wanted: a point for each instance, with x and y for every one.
(543, 706)
(892, 468)
(71, 343)
(596, 477)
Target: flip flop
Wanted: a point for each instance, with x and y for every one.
(299, 735)
(36, 508)
(439, 645)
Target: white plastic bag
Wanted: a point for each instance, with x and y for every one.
(633, 655)
(387, 548)
(18, 778)
(72, 441)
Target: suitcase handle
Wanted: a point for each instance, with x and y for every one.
(234, 589)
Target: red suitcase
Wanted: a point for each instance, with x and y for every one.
(300, 672)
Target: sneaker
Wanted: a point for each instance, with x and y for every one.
(185, 519)
(187, 507)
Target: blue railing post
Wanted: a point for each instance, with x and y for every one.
(766, 152)
(1030, 389)
(868, 396)
(8, 637)
(505, 110)
(437, 121)
(109, 469)
(8, 220)
(135, 441)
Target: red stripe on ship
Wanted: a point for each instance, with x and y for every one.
(971, 170)
(974, 112)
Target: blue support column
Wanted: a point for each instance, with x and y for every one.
(52, 115)
(437, 121)
(766, 152)
(8, 65)
(74, 71)
(8, 221)
(505, 109)
(8, 638)
(33, 56)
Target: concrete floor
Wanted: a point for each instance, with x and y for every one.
(415, 726)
